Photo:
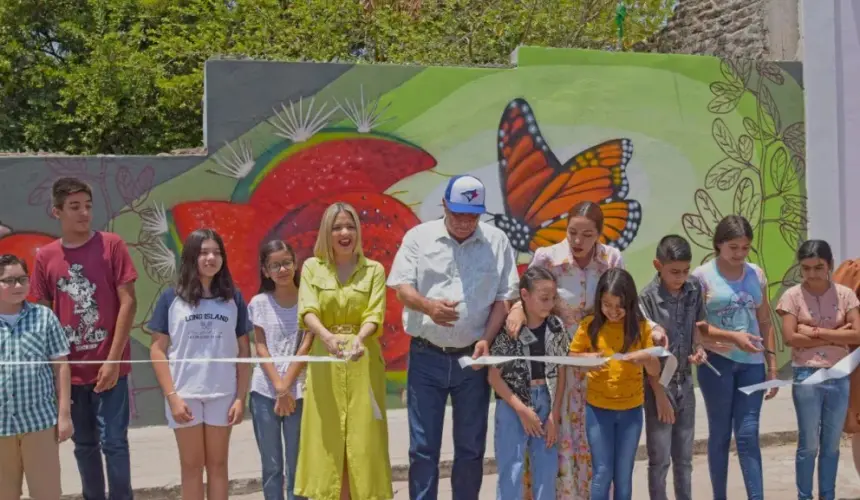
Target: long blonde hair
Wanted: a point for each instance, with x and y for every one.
(323, 248)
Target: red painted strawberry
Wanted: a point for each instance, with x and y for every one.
(25, 246)
(374, 209)
(238, 227)
(330, 163)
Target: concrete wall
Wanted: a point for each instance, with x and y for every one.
(831, 72)
(709, 138)
(753, 29)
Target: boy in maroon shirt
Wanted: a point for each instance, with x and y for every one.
(88, 277)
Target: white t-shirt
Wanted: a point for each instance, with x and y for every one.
(209, 330)
(281, 325)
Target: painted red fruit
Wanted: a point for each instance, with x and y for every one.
(25, 246)
(367, 163)
(374, 209)
(238, 227)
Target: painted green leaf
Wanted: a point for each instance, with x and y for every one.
(725, 103)
(771, 71)
(782, 175)
(794, 137)
(745, 147)
(723, 88)
(707, 209)
(769, 108)
(754, 130)
(746, 201)
(795, 202)
(724, 175)
(790, 235)
(697, 230)
(723, 136)
(730, 73)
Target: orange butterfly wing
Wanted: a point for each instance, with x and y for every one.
(538, 190)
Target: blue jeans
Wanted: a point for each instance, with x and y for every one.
(433, 376)
(613, 436)
(278, 442)
(730, 410)
(101, 425)
(512, 444)
(821, 411)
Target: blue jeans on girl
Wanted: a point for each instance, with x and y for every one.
(273, 433)
(512, 443)
(730, 410)
(821, 411)
(613, 436)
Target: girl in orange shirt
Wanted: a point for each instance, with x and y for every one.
(615, 390)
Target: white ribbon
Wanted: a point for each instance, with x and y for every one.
(842, 369)
(280, 359)
(581, 361)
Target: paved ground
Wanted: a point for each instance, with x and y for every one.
(778, 464)
(155, 467)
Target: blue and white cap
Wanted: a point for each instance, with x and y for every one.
(465, 195)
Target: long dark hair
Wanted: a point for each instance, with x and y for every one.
(188, 287)
(618, 282)
(532, 276)
(266, 283)
(816, 249)
(731, 227)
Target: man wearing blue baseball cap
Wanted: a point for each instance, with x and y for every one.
(454, 277)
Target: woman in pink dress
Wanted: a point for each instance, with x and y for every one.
(577, 262)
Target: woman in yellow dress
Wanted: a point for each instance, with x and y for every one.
(343, 450)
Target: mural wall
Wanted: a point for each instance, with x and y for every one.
(666, 144)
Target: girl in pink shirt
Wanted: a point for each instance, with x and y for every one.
(819, 319)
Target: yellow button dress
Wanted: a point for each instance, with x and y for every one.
(338, 420)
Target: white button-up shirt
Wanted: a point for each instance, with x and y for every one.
(477, 273)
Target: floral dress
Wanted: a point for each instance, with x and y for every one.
(576, 287)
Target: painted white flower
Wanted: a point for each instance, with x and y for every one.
(154, 220)
(235, 164)
(298, 125)
(364, 115)
(160, 259)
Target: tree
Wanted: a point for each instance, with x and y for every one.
(126, 76)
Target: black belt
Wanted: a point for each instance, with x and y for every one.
(421, 342)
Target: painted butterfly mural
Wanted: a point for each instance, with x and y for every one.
(538, 189)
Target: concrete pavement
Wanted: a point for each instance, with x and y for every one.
(777, 462)
(155, 463)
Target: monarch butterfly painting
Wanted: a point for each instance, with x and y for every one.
(538, 190)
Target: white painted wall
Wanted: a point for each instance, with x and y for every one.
(831, 76)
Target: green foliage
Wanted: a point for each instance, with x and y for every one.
(126, 76)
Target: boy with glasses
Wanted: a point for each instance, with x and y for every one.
(35, 402)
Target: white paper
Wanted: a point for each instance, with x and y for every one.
(580, 361)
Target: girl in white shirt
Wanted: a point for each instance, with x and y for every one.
(203, 317)
(276, 388)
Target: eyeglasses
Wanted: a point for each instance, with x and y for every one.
(277, 266)
(15, 280)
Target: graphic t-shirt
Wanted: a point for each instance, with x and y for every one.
(281, 326)
(824, 311)
(81, 285)
(209, 330)
(732, 305)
